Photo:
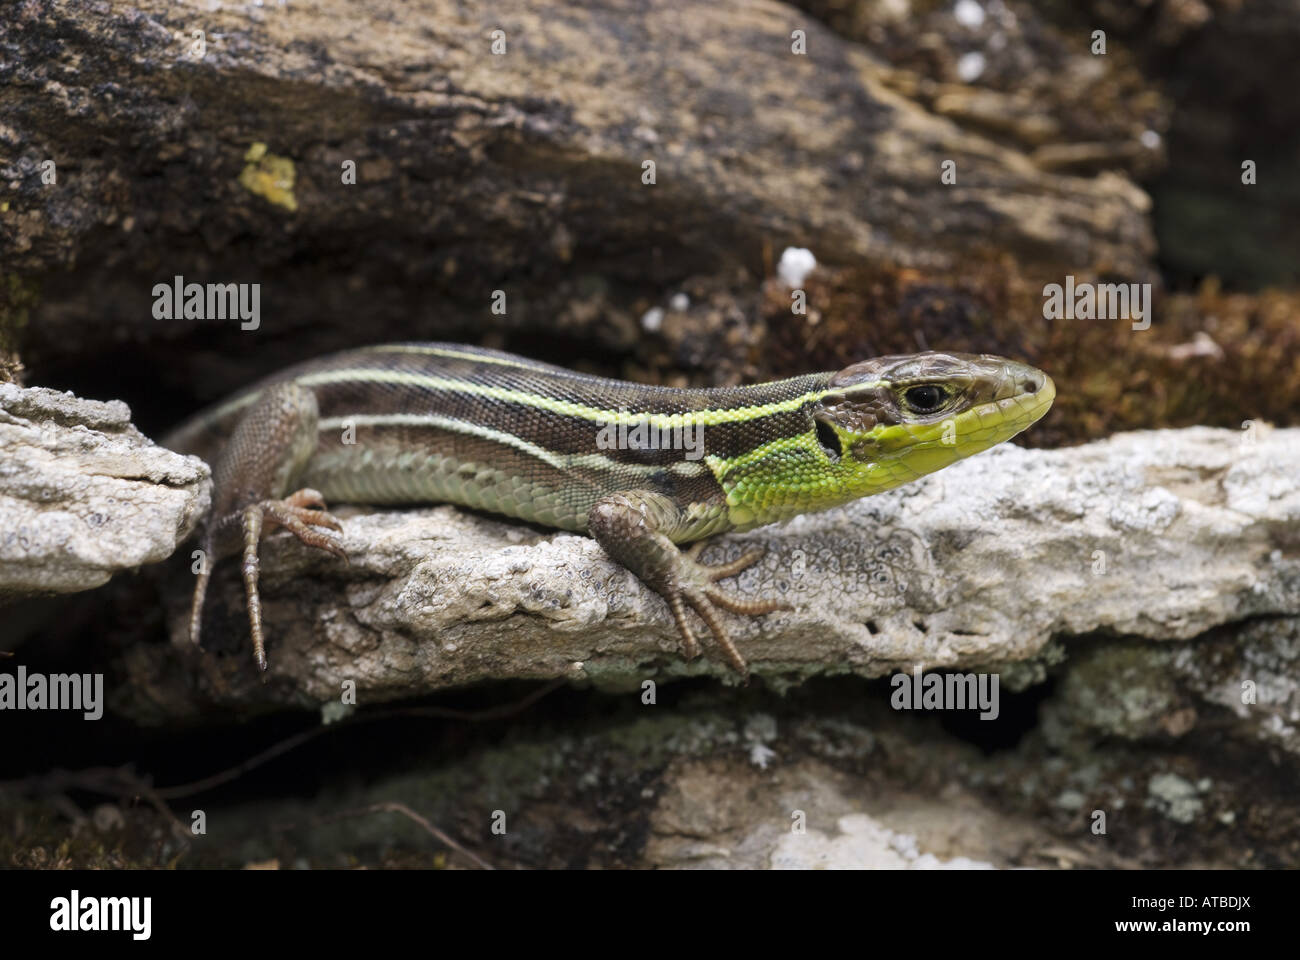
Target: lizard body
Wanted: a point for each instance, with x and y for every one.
(639, 468)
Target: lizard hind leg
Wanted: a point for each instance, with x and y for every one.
(268, 449)
(263, 517)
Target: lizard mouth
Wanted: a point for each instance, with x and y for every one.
(1003, 418)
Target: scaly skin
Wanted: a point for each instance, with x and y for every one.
(418, 423)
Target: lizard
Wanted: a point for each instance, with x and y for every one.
(642, 469)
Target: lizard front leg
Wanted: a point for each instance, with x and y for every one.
(634, 527)
(271, 444)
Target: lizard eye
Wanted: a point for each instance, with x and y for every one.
(829, 440)
(926, 398)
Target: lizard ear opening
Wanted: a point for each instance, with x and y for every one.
(829, 440)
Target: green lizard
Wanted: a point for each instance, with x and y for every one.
(640, 468)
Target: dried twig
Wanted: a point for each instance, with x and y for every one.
(298, 739)
(124, 783)
(393, 806)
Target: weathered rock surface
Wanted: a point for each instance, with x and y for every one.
(1160, 535)
(83, 494)
(1243, 680)
(712, 777)
(520, 170)
(725, 815)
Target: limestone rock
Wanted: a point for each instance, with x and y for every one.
(83, 494)
(1160, 535)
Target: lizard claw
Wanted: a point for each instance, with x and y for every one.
(298, 518)
(698, 592)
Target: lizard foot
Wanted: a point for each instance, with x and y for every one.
(299, 513)
(633, 526)
(695, 588)
(302, 514)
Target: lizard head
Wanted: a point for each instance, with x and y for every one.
(880, 423)
(889, 420)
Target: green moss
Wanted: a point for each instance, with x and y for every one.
(34, 835)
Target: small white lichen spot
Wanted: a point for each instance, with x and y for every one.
(1150, 139)
(332, 711)
(760, 755)
(652, 319)
(680, 303)
(795, 265)
(969, 14)
(970, 66)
